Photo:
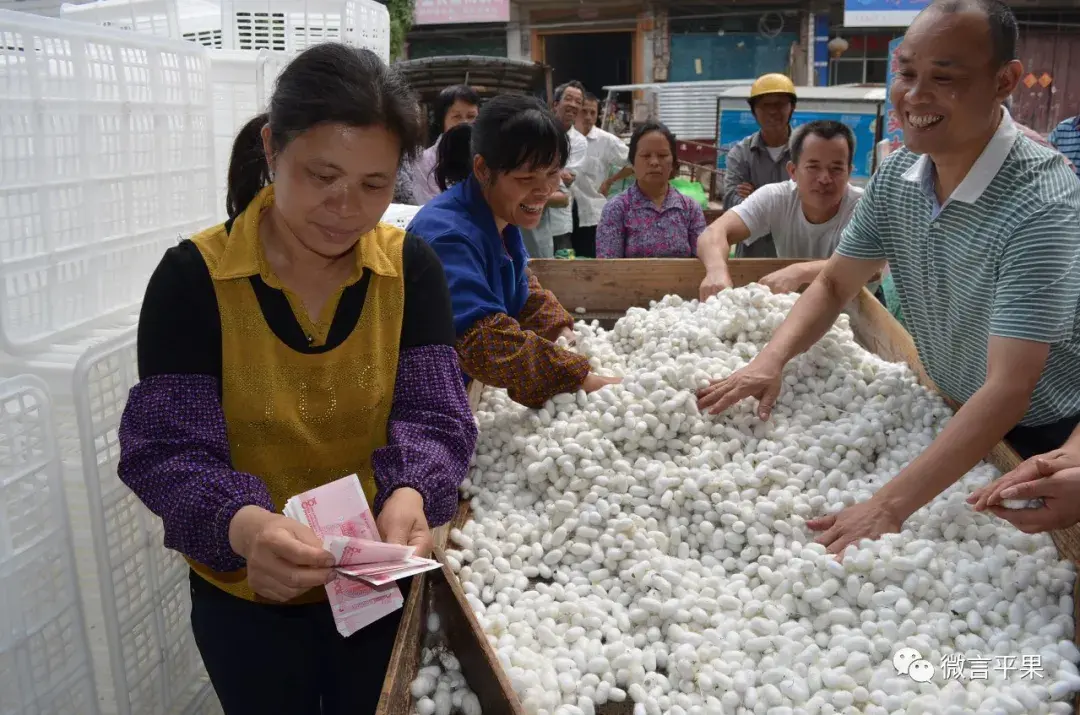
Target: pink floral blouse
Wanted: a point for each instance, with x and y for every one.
(632, 226)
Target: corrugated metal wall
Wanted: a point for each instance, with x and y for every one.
(689, 108)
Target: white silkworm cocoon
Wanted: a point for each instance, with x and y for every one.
(625, 546)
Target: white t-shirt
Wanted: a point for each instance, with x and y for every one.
(605, 152)
(776, 209)
(776, 151)
(562, 219)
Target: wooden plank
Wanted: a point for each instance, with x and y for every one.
(396, 698)
(479, 663)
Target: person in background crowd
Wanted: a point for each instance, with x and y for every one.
(981, 229)
(296, 344)
(505, 322)
(559, 217)
(1066, 137)
(762, 157)
(458, 104)
(650, 219)
(605, 153)
(804, 215)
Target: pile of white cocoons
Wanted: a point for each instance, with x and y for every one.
(626, 548)
(439, 687)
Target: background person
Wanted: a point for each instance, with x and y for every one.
(606, 153)
(505, 322)
(981, 229)
(296, 344)
(1066, 137)
(568, 100)
(458, 104)
(762, 157)
(650, 219)
(804, 215)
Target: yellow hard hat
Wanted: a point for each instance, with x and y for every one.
(773, 83)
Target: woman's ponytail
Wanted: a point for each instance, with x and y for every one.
(453, 162)
(248, 170)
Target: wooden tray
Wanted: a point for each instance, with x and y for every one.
(607, 289)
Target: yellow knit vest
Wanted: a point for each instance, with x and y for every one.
(300, 420)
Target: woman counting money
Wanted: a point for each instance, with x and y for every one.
(298, 343)
(502, 170)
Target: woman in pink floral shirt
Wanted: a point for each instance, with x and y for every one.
(650, 219)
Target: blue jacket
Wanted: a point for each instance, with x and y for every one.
(485, 271)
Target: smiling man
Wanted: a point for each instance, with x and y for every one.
(804, 215)
(981, 230)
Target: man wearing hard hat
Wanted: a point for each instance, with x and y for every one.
(762, 157)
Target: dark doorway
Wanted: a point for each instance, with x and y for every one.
(595, 59)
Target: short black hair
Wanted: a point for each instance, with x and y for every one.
(648, 128)
(446, 99)
(590, 97)
(824, 128)
(1004, 34)
(329, 82)
(561, 89)
(511, 132)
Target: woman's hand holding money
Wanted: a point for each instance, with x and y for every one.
(284, 557)
(402, 521)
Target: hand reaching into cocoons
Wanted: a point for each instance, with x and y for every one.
(626, 547)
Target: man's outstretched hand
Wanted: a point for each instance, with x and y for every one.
(760, 379)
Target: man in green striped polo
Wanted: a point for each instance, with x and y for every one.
(981, 229)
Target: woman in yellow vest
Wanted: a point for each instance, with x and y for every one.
(298, 343)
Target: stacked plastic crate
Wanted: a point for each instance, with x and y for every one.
(252, 41)
(106, 160)
(44, 659)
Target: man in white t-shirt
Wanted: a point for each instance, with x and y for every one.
(804, 215)
(606, 153)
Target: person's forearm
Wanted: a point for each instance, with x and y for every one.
(811, 317)
(810, 270)
(980, 424)
(713, 250)
(558, 200)
(623, 173)
(174, 454)
(497, 352)
(431, 433)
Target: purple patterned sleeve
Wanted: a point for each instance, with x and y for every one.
(611, 233)
(431, 434)
(174, 454)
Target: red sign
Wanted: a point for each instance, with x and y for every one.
(453, 12)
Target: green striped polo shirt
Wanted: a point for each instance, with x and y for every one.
(1000, 257)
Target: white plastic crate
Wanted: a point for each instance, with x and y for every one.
(198, 21)
(145, 602)
(106, 158)
(293, 25)
(399, 214)
(242, 82)
(44, 656)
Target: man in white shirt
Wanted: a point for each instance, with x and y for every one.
(605, 152)
(805, 215)
(569, 98)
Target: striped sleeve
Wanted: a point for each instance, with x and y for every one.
(1037, 293)
(861, 238)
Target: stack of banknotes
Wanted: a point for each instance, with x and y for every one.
(364, 590)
